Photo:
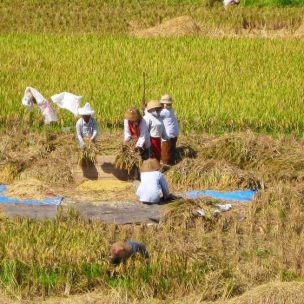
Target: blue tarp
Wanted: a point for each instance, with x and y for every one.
(240, 195)
(54, 201)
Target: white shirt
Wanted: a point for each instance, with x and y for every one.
(228, 2)
(170, 122)
(155, 126)
(151, 186)
(84, 129)
(144, 136)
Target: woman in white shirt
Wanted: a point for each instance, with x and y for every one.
(155, 127)
(172, 130)
(153, 185)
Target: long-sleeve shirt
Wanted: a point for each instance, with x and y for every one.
(84, 129)
(155, 126)
(170, 122)
(152, 185)
(143, 140)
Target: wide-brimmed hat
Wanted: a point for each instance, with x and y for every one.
(153, 104)
(132, 114)
(86, 110)
(121, 249)
(167, 99)
(150, 165)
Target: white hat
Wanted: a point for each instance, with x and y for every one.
(166, 99)
(86, 110)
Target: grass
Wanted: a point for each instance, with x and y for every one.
(119, 17)
(219, 258)
(221, 84)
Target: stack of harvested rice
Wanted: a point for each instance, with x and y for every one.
(130, 160)
(87, 155)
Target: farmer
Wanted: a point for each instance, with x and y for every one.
(135, 127)
(121, 251)
(155, 127)
(230, 2)
(86, 126)
(152, 183)
(172, 130)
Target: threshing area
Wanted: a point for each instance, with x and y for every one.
(236, 77)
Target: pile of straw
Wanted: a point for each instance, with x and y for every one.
(28, 189)
(203, 174)
(184, 212)
(87, 155)
(130, 160)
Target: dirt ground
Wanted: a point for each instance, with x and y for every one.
(36, 166)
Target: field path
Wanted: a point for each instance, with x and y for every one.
(119, 212)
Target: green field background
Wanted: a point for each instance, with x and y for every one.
(217, 84)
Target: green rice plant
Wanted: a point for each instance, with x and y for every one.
(218, 84)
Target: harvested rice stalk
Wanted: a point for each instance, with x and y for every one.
(184, 151)
(10, 171)
(184, 212)
(203, 174)
(128, 159)
(28, 189)
(87, 155)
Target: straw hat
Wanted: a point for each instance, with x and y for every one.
(150, 165)
(153, 104)
(86, 110)
(167, 99)
(132, 114)
(121, 250)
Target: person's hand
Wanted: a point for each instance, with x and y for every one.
(139, 149)
(86, 140)
(172, 197)
(81, 145)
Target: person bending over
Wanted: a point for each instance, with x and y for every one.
(121, 251)
(135, 127)
(86, 126)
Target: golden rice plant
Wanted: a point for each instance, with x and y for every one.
(87, 155)
(128, 159)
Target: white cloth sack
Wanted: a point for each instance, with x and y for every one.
(67, 101)
(48, 113)
(30, 94)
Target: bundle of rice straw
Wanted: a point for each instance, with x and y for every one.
(87, 155)
(130, 160)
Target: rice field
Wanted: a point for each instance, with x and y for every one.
(235, 75)
(217, 84)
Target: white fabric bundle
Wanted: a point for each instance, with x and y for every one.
(48, 113)
(67, 101)
(31, 94)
